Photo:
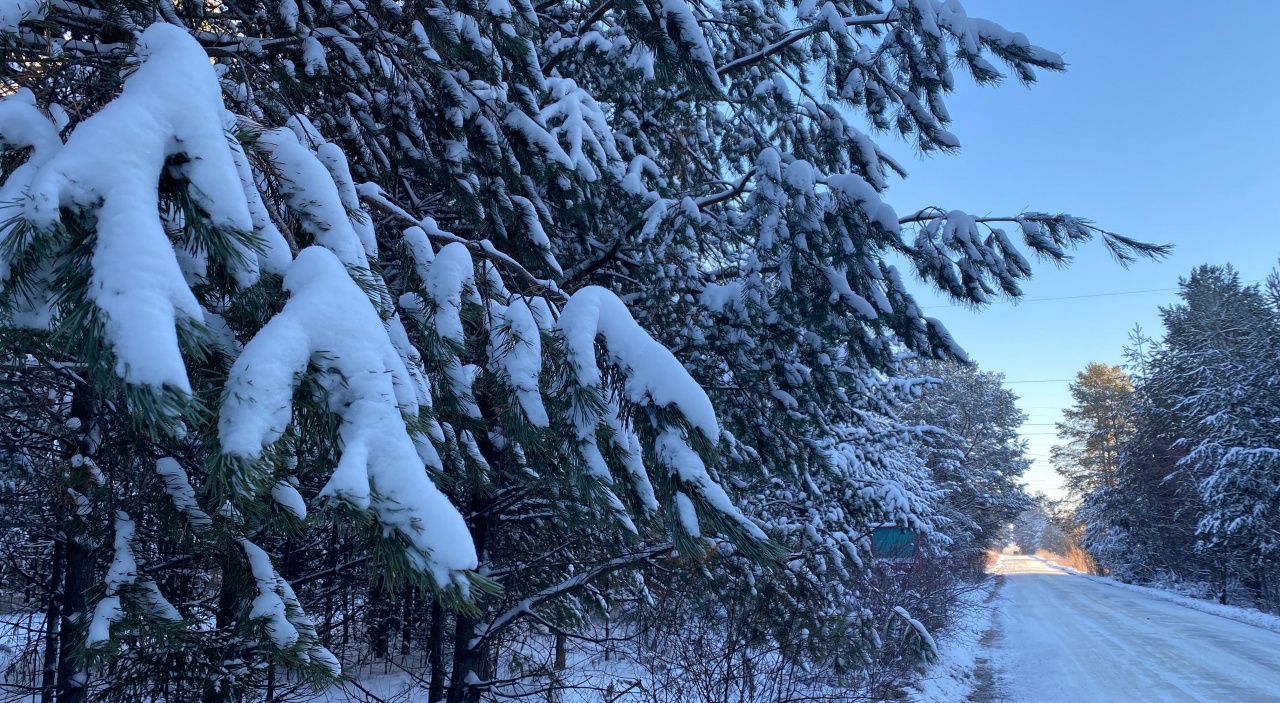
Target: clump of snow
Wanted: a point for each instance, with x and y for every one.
(311, 193)
(170, 106)
(275, 255)
(178, 486)
(653, 374)
(679, 20)
(685, 464)
(581, 123)
(449, 276)
(628, 445)
(420, 251)
(652, 377)
(22, 126)
(314, 62)
(277, 607)
(329, 321)
(515, 348)
(856, 189)
(335, 161)
(286, 495)
(122, 574)
(269, 605)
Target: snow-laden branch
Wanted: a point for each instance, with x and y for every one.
(329, 322)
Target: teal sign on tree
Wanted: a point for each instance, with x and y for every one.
(893, 542)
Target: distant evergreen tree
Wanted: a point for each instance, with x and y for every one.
(1094, 430)
(978, 458)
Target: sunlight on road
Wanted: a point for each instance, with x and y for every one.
(1073, 639)
(1020, 565)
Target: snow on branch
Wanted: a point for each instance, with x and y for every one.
(652, 378)
(123, 575)
(449, 279)
(313, 194)
(169, 113)
(277, 608)
(515, 351)
(578, 120)
(181, 492)
(23, 126)
(329, 322)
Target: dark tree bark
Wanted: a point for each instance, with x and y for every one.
(52, 620)
(435, 654)
(71, 683)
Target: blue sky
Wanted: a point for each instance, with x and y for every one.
(1164, 128)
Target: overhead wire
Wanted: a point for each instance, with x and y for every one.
(1073, 297)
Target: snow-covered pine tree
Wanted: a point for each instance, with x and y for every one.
(423, 263)
(1145, 526)
(1191, 493)
(1217, 365)
(974, 453)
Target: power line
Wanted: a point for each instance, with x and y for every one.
(1074, 297)
(1061, 297)
(1045, 380)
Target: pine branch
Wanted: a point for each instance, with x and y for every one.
(505, 619)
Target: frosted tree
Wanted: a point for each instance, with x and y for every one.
(975, 454)
(1191, 495)
(487, 305)
(1216, 364)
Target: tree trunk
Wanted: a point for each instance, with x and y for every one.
(468, 660)
(435, 653)
(468, 653)
(408, 619)
(52, 615)
(379, 622)
(71, 679)
(215, 690)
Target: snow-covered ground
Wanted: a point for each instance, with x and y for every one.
(1064, 637)
(953, 676)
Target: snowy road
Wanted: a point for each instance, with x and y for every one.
(1067, 638)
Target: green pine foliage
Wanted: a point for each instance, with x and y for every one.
(468, 324)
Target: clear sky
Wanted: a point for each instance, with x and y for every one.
(1165, 127)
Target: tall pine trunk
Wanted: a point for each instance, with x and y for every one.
(52, 615)
(72, 680)
(468, 653)
(435, 653)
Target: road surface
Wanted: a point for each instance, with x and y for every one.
(1067, 638)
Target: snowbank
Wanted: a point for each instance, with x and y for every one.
(952, 676)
